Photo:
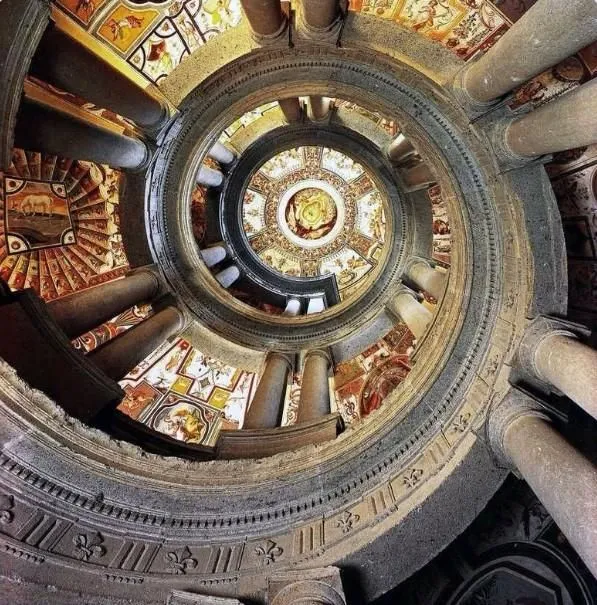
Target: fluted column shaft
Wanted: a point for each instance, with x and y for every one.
(568, 122)
(320, 14)
(120, 355)
(547, 33)
(315, 391)
(561, 477)
(68, 65)
(264, 16)
(291, 108)
(82, 311)
(412, 312)
(571, 367)
(427, 278)
(267, 405)
(44, 129)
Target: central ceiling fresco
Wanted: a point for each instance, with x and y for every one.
(313, 211)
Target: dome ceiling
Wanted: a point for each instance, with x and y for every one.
(312, 211)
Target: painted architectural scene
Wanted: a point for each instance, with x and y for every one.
(59, 228)
(182, 392)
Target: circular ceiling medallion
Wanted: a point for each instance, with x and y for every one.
(310, 213)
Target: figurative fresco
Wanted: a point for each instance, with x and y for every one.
(184, 393)
(81, 10)
(442, 238)
(87, 252)
(110, 329)
(247, 119)
(36, 215)
(574, 178)
(362, 383)
(199, 213)
(123, 26)
(312, 211)
(390, 126)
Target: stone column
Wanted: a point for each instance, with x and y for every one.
(44, 129)
(561, 477)
(319, 108)
(265, 17)
(406, 306)
(120, 355)
(400, 149)
(568, 122)
(321, 586)
(292, 110)
(82, 311)
(548, 32)
(228, 276)
(214, 255)
(426, 277)
(315, 390)
(220, 153)
(209, 177)
(293, 307)
(551, 351)
(265, 410)
(320, 15)
(68, 65)
(315, 305)
(418, 176)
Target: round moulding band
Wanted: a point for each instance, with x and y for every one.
(339, 208)
(400, 236)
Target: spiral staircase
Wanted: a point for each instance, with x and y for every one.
(381, 190)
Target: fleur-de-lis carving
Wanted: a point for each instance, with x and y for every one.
(89, 545)
(6, 505)
(413, 477)
(347, 521)
(268, 552)
(461, 423)
(181, 560)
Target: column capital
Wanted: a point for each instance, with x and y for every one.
(285, 357)
(506, 156)
(473, 106)
(541, 328)
(502, 415)
(320, 353)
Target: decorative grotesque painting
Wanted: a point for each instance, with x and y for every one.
(37, 215)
